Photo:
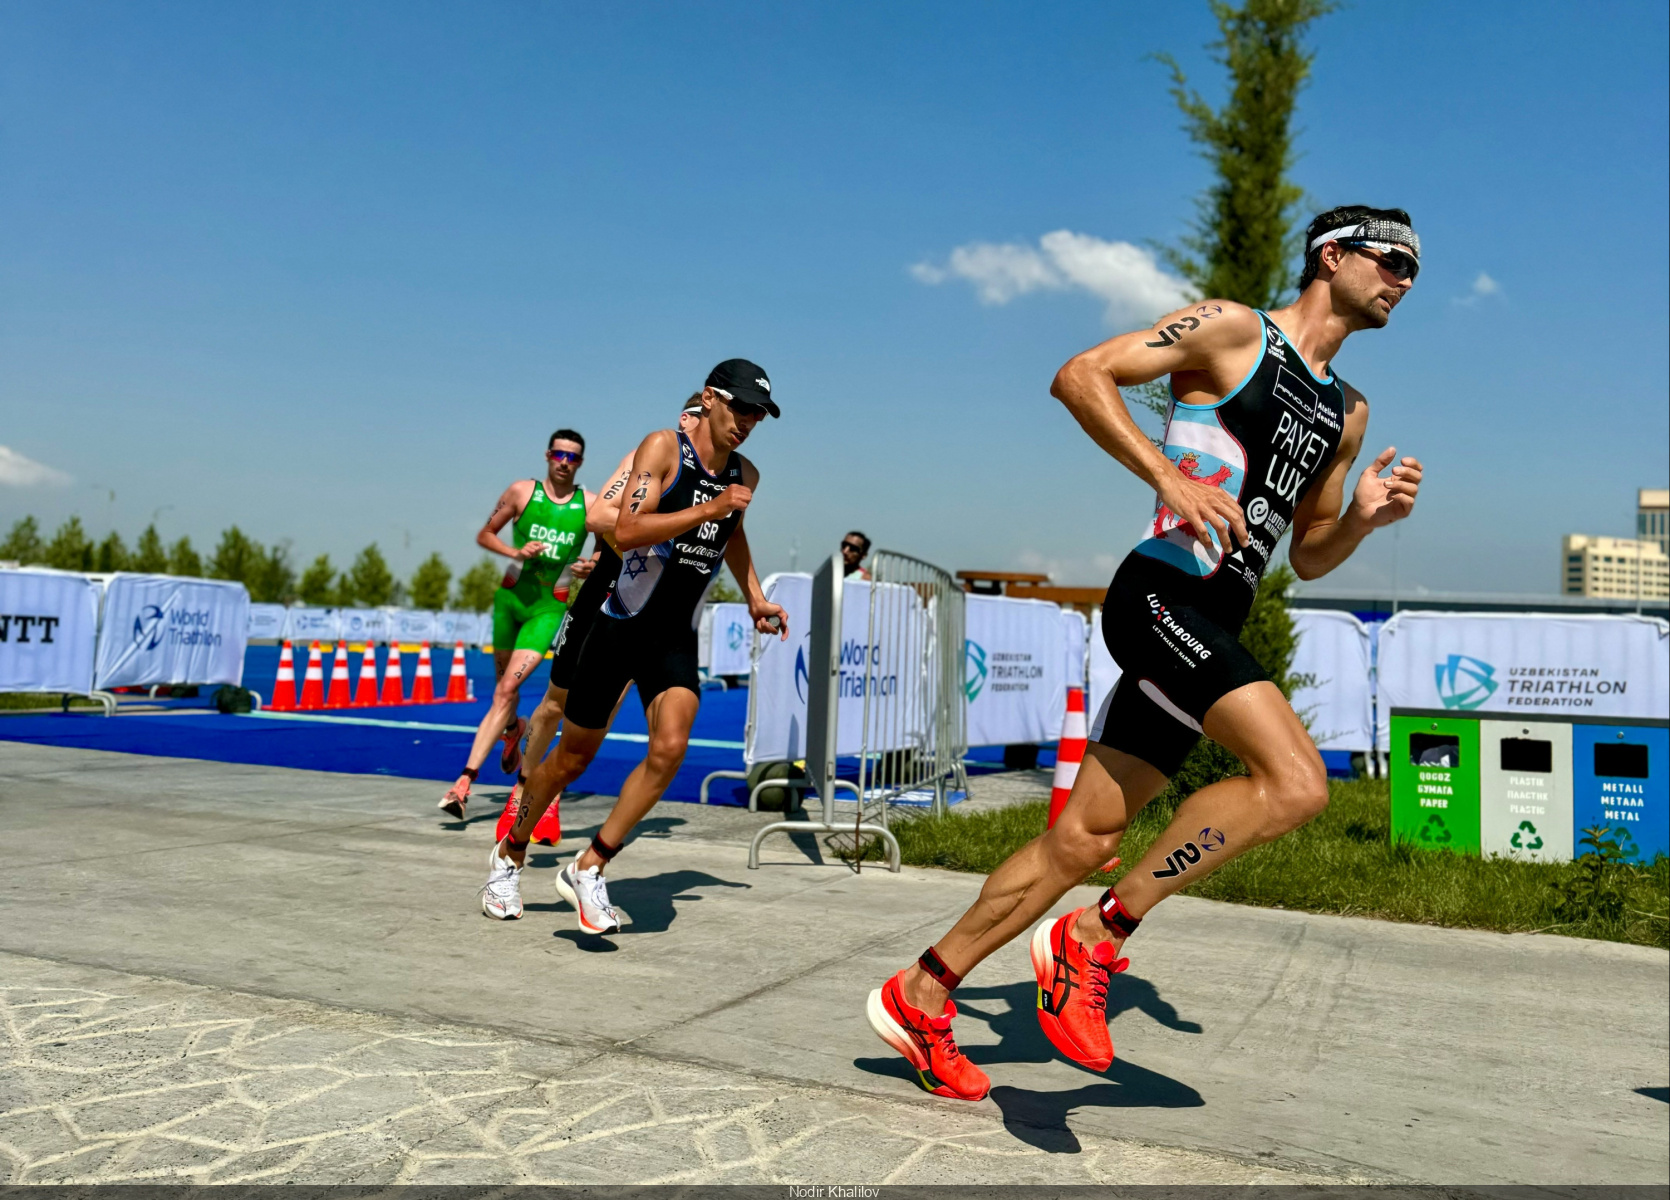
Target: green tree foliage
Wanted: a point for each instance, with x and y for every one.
(274, 578)
(112, 555)
(477, 585)
(724, 588)
(1243, 242)
(183, 559)
(431, 583)
(70, 548)
(148, 554)
(369, 581)
(318, 582)
(23, 544)
(237, 558)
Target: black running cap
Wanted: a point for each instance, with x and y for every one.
(745, 381)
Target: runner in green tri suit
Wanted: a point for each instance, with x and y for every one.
(551, 519)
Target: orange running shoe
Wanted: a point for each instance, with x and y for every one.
(926, 1043)
(508, 817)
(510, 758)
(548, 829)
(1073, 991)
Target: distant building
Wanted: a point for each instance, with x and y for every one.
(1652, 517)
(1616, 568)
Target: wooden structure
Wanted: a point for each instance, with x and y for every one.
(1024, 586)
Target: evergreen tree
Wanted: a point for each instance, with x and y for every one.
(274, 578)
(148, 554)
(369, 581)
(23, 544)
(70, 548)
(112, 555)
(184, 560)
(1243, 245)
(237, 558)
(477, 585)
(431, 583)
(318, 582)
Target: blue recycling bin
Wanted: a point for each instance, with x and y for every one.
(1621, 780)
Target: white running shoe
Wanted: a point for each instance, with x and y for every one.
(589, 894)
(501, 895)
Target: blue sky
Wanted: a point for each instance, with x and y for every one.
(333, 272)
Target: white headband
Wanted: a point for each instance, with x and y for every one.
(1388, 233)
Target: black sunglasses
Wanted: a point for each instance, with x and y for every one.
(1400, 264)
(853, 546)
(744, 409)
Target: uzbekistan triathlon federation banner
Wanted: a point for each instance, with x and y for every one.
(1548, 664)
(164, 629)
(49, 623)
(1014, 678)
(1336, 651)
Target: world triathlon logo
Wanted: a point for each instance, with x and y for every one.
(802, 677)
(149, 626)
(1465, 682)
(974, 669)
(734, 633)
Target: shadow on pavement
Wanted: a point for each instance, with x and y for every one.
(650, 901)
(1652, 1093)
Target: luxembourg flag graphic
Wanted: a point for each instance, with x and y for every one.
(1204, 451)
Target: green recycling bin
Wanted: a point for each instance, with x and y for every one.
(1525, 788)
(1435, 780)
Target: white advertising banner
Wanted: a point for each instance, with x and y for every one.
(1104, 675)
(303, 624)
(1544, 663)
(49, 624)
(1013, 675)
(1334, 648)
(266, 621)
(889, 670)
(480, 633)
(1075, 663)
(452, 627)
(412, 625)
(732, 634)
(163, 629)
(363, 624)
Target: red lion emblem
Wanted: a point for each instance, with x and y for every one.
(1189, 464)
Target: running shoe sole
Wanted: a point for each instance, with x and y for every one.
(453, 805)
(891, 1032)
(510, 758)
(492, 862)
(567, 892)
(1043, 967)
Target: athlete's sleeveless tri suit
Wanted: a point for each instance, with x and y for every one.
(645, 630)
(1177, 603)
(533, 596)
(582, 615)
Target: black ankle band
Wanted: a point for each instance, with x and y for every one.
(469, 773)
(934, 965)
(602, 848)
(1115, 916)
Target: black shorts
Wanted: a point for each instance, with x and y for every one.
(1177, 662)
(619, 651)
(577, 622)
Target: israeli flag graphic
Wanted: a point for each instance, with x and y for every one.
(1205, 452)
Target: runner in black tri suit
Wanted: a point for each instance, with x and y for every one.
(682, 517)
(1260, 438)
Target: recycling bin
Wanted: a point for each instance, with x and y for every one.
(1621, 782)
(1435, 780)
(1525, 788)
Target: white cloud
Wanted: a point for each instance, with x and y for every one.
(16, 470)
(1483, 286)
(1127, 278)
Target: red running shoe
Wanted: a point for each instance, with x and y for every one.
(1073, 991)
(510, 758)
(925, 1042)
(508, 817)
(548, 829)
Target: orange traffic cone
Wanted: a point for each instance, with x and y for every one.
(423, 685)
(458, 682)
(313, 683)
(1069, 752)
(394, 687)
(284, 687)
(338, 696)
(366, 695)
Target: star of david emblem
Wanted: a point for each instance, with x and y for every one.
(635, 565)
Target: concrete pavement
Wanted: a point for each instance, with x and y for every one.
(220, 972)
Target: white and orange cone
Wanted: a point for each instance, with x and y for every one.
(338, 696)
(313, 683)
(423, 684)
(1069, 753)
(458, 682)
(366, 695)
(284, 687)
(394, 687)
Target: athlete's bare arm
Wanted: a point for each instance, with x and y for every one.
(653, 468)
(1323, 536)
(509, 507)
(1207, 349)
(740, 559)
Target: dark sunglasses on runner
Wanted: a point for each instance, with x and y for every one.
(563, 456)
(1400, 264)
(744, 409)
(853, 546)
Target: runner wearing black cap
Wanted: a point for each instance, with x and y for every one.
(1260, 439)
(682, 515)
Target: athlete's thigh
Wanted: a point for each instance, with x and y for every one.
(1257, 725)
(672, 713)
(539, 627)
(1112, 786)
(520, 665)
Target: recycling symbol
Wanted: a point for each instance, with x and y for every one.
(1435, 831)
(1533, 842)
